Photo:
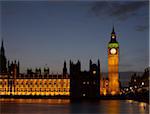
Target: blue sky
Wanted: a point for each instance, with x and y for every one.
(46, 33)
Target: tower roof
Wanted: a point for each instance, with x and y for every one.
(2, 42)
(113, 38)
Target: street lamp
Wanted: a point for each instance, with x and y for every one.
(130, 88)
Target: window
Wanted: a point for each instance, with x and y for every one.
(83, 94)
(94, 72)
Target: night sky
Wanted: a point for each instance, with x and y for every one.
(46, 33)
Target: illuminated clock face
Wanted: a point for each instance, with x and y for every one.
(113, 51)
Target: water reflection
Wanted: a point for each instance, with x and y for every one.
(36, 101)
(116, 107)
(142, 107)
(64, 106)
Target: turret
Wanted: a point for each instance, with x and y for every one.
(79, 65)
(90, 64)
(18, 67)
(64, 69)
(2, 48)
(46, 71)
(3, 61)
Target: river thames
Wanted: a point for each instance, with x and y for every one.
(64, 106)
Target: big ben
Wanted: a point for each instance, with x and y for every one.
(113, 64)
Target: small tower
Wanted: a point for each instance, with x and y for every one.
(64, 69)
(3, 61)
(90, 64)
(38, 71)
(46, 71)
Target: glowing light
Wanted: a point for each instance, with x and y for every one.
(113, 36)
(130, 101)
(104, 92)
(113, 93)
(142, 83)
(130, 88)
(94, 72)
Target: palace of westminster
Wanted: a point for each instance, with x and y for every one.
(75, 84)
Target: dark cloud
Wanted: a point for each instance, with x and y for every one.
(141, 28)
(119, 10)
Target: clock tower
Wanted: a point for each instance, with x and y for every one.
(113, 63)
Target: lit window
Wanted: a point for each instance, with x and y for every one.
(83, 94)
(87, 82)
(83, 82)
(94, 72)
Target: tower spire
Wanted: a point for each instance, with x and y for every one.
(3, 61)
(2, 48)
(113, 30)
(113, 35)
(64, 69)
(2, 43)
